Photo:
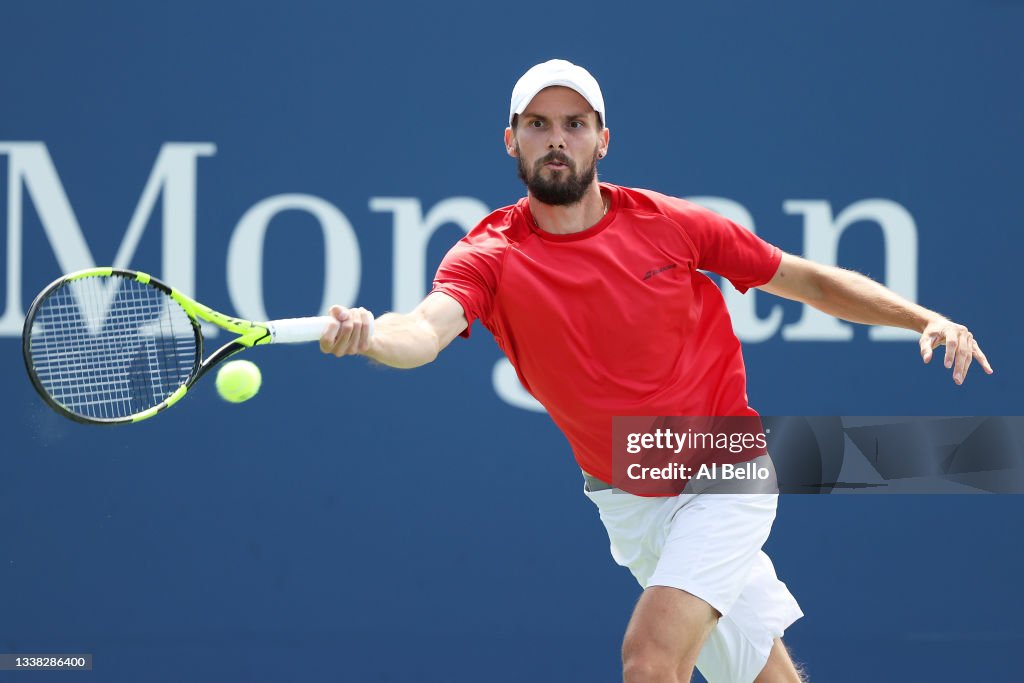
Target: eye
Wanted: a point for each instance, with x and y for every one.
(576, 124)
(536, 123)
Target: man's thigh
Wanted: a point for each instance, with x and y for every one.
(780, 667)
(667, 630)
(708, 547)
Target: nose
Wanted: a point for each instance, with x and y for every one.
(557, 140)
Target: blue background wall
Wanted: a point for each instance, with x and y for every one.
(358, 524)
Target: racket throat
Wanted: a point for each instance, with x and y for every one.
(218, 357)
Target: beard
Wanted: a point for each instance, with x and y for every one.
(561, 188)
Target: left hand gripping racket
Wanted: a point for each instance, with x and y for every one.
(110, 346)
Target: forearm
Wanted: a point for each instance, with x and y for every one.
(398, 340)
(403, 341)
(854, 297)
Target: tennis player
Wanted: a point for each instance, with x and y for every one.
(594, 292)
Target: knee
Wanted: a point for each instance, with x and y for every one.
(649, 667)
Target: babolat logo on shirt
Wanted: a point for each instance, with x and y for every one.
(652, 273)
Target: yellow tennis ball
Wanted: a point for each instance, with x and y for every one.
(238, 380)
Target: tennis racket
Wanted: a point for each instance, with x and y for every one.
(111, 346)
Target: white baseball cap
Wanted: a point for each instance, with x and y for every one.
(556, 72)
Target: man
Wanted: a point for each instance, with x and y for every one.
(593, 291)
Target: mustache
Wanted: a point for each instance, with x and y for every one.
(555, 156)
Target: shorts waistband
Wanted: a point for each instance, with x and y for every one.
(593, 484)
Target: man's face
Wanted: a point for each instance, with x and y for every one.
(557, 142)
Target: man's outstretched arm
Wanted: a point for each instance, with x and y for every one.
(854, 297)
(400, 340)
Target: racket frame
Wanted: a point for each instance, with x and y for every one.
(249, 334)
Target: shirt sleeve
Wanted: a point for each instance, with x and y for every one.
(469, 273)
(724, 247)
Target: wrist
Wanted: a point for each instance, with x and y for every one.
(929, 318)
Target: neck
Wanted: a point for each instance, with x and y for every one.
(565, 220)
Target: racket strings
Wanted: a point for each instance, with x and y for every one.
(111, 347)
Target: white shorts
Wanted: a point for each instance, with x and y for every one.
(709, 545)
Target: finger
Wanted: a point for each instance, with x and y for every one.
(328, 336)
(353, 338)
(951, 343)
(340, 313)
(927, 343)
(960, 376)
(964, 356)
(344, 338)
(363, 343)
(982, 359)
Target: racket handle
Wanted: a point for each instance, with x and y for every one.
(299, 330)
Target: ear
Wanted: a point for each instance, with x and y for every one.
(602, 149)
(510, 142)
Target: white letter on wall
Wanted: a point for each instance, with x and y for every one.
(412, 233)
(821, 244)
(173, 175)
(342, 261)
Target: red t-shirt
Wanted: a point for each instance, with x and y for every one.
(616, 319)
